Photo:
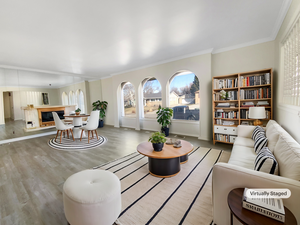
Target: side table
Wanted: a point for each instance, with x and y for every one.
(248, 217)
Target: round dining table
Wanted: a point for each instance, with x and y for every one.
(77, 123)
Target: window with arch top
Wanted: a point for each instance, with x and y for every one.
(129, 102)
(64, 98)
(184, 96)
(152, 97)
(72, 98)
(80, 100)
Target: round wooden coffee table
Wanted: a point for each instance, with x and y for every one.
(248, 217)
(165, 163)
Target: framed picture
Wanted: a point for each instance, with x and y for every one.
(45, 97)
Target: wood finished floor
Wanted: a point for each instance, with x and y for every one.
(32, 174)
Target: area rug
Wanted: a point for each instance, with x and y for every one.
(67, 144)
(183, 199)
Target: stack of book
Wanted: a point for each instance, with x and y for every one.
(225, 83)
(255, 94)
(262, 103)
(255, 80)
(270, 207)
(228, 115)
(223, 105)
(247, 104)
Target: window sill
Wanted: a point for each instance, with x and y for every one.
(185, 121)
(126, 117)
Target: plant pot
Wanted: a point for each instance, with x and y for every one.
(158, 146)
(165, 130)
(77, 113)
(101, 123)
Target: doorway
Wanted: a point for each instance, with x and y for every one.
(8, 105)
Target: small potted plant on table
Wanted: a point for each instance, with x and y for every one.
(164, 116)
(77, 111)
(157, 139)
(101, 106)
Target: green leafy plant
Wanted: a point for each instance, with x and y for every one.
(164, 116)
(157, 137)
(78, 110)
(101, 106)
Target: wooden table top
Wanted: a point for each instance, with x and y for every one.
(246, 216)
(167, 152)
(80, 115)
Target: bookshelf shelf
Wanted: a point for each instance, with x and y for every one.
(239, 86)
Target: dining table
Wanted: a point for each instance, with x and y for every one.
(77, 123)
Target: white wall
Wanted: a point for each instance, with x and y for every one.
(286, 115)
(18, 101)
(108, 94)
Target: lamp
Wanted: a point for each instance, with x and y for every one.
(257, 113)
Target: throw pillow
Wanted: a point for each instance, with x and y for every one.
(260, 142)
(265, 162)
(256, 131)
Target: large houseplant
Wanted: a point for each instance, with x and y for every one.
(164, 116)
(101, 106)
(157, 139)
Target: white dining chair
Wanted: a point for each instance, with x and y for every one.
(91, 126)
(61, 127)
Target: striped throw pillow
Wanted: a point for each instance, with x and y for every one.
(260, 142)
(257, 130)
(265, 162)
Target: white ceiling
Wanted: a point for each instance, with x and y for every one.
(97, 38)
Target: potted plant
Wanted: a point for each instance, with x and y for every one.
(223, 95)
(157, 139)
(101, 106)
(77, 111)
(164, 116)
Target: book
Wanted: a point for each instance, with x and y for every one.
(270, 207)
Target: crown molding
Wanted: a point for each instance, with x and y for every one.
(207, 51)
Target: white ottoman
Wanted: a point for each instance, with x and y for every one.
(92, 197)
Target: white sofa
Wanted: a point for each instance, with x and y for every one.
(239, 172)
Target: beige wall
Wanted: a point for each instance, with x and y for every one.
(108, 95)
(286, 115)
(255, 57)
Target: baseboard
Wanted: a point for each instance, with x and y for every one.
(204, 138)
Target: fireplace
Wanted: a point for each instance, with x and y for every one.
(46, 117)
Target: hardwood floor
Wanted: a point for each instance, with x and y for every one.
(32, 174)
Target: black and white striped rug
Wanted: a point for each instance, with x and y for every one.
(67, 144)
(183, 199)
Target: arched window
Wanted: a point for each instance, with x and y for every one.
(152, 98)
(64, 98)
(184, 96)
(128, 96)
(80, 100)
(72, 98)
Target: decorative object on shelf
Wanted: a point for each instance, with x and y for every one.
(101, 106)
(77, 111)
(177, 144)
(164, 116)
(223, 94)
(257, 113)
(157, 139)
(45, 97)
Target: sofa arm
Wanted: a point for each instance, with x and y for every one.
(227, 177)
(245, 131)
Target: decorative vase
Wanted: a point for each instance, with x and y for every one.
(158, 146)
(77, 113)
(165, 130)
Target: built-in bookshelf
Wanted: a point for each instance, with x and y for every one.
(243, 90)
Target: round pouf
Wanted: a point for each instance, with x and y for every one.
(92, 197)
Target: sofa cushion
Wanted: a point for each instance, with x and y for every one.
(260, 142)
(257, 130)
(287, 153)
(273, 130)
(242, 156)
(266, 162)
(242, 141)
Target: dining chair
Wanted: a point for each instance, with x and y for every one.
(91, 126)
(61, 127)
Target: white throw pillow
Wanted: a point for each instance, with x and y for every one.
(265, 162)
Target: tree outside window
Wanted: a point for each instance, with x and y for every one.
(152, 98)
(184, 96)
(129, 100)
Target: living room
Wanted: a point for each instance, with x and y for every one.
(81, 64)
